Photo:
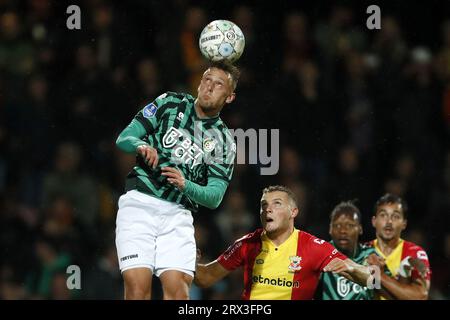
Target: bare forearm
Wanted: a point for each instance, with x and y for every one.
(202, 278)
(358, 275)
(404, 291)
(208, 274)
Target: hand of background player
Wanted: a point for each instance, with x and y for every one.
(149, 154)
(376, 260)
(174, 177)
(420, 266)
(410, 263)
(407, 265)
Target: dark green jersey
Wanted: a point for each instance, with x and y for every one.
(199, 148)
(336, 287)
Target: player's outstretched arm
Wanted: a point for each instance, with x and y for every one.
(414, 290)
(208, 274)
(350, 270)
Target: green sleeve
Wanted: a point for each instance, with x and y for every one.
(145, 122)
(131, 137)
(209, 196)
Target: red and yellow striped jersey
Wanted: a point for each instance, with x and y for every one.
(403, 250)
(290, 271)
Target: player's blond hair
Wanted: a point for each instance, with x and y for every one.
(291, 195)
(230, 69)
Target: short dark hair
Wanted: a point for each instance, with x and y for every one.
(392, 198)
(229, 68)
(284, 189)
(345, 207)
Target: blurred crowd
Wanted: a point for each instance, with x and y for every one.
(361, 112)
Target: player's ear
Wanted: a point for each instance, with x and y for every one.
(360, 230)
(405, 223)
(294, 212)
(230, 98)
(373, 221)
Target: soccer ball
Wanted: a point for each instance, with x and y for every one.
(222, 40)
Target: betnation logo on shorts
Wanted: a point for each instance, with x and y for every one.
(276, 282)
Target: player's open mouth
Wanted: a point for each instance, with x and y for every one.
(269, 220)
(343, 241)
(388, 230)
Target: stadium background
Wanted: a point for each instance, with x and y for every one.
(360, 112)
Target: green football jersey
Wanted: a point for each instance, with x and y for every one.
(199, 148)
(336, 287)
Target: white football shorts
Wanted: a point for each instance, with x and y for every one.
(154, 233)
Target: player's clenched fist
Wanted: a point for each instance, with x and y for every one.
(149, 155)
(338, 265)
(420, 266)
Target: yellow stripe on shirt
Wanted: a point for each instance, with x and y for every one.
(271, 277)
(393, 260)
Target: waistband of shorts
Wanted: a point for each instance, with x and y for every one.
(134, 183)
(148, 198)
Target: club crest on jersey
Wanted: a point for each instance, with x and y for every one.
(209, 144)
(294, 266)
(150, 110)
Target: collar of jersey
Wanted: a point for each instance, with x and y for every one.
(212, 119)
(378, 249)
(265, 238)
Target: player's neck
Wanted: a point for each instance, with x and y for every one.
(279, 238)
(387, 246)
(205, 115)
(351, 253)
